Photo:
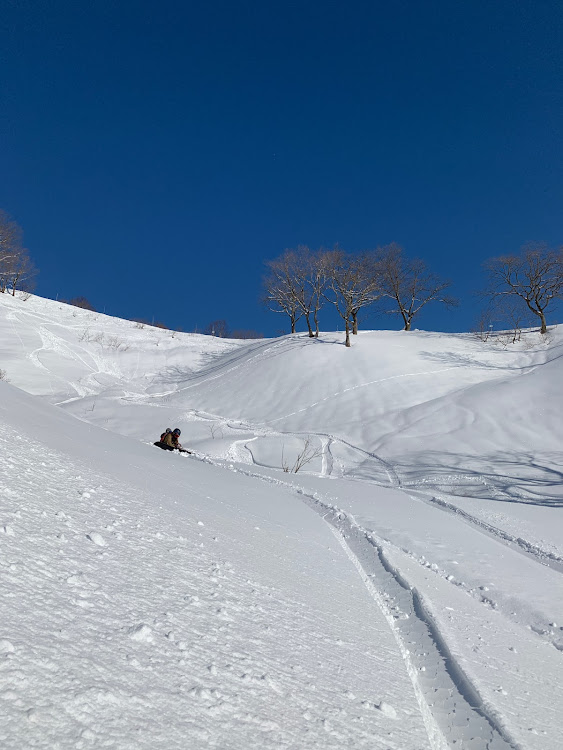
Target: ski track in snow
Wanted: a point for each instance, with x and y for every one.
(532, 551)
(357, 387)
(225, 365)
(451, 707)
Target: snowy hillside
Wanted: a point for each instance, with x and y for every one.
(402, 590)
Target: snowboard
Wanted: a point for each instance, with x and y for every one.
(168, 448)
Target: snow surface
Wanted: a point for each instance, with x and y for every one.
(402, 590)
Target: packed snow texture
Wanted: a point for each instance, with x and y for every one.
(402, 590)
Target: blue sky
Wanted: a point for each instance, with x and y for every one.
(156, 154)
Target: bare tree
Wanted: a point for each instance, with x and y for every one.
(10, 236)
(83, 303)
(11, 248)
(308, 454)
(409, 284)
(483, 326)
(352, 284)
(316, 279)
(534, 278)
(296, 284)
(217, 328)
(518, 318)
(283, 287)
(22, 272)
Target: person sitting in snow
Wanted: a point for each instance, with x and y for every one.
(169, 441)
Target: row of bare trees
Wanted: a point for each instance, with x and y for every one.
(300, 282)
(16, 268)
(520, 290)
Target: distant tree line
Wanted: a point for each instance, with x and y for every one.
(81, 302)
(221, 329)
(300, 282)
(521, 289)
(16, 267)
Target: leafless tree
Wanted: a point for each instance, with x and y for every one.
(21, 272)
(534, 279)
(308, 454)
(483, 326)
(316, 279)
(409, 284)
(284, 288)
(217, 328)
(353, 283)
(311, 279)
(10, 246)
(295, 286)
(83, 303)
(16, 267)
(518, 318)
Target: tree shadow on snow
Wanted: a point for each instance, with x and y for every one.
(455, 359)
(524, 478)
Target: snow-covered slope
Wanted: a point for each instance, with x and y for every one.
(403, 590)
(159, 603)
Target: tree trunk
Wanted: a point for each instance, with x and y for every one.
(405, 317)
(311, 334)
(292, 325)
(355, 323)
(347, 332)
(316, 325)
(540, 315)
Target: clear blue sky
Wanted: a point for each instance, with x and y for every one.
(156, 153)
